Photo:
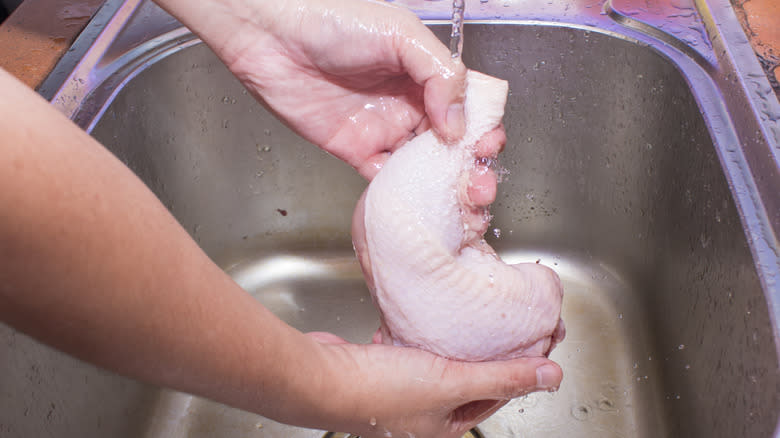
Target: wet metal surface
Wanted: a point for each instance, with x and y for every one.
(625, 173)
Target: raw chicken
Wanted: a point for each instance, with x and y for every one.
(438, 285)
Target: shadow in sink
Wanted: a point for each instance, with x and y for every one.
(611, 178)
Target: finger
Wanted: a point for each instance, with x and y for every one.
(476, 220)
(372, 165)
(444, 105)
(326, 338)
(429, 64)
(492, 143)
(504, 380)
(472, 413)
(425, 124)
(482, 186)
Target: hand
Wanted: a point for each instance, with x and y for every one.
(409, 392)
(356, 77)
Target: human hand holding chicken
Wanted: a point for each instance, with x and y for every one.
(356, 77)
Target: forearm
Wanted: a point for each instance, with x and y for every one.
(93, 264)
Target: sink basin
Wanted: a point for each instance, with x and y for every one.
(618, 174)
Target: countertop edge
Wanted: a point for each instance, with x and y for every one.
(38, 33)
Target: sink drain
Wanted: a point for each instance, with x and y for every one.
(473, 433)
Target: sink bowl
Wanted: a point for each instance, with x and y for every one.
(616, 174)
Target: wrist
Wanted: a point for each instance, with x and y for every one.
(325, 391)
(219, 22)
(302, 389)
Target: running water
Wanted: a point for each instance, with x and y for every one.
(456, 36)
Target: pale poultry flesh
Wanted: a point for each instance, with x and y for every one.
(436, 282)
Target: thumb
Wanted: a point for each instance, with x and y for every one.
(504, 380)
(444, 98)
(429, 64)
(326, 338)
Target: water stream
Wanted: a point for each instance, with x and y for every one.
(456, 36)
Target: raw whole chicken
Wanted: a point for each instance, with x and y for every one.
(438, 285)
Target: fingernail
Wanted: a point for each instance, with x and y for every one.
(546, 377)
(456, 121)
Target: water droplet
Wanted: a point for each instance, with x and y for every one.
(521, 410)
(620, 316)
(372, 421)
(681, 347)
(581, 412)
(497, 232)
(636, 365)
(225, 99)
(705, 240)
(606, 404)
(687, 366)
(267, 132)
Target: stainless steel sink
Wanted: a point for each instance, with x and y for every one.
(637, 169)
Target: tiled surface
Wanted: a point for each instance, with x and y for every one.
(761, 21)
(38, 33)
